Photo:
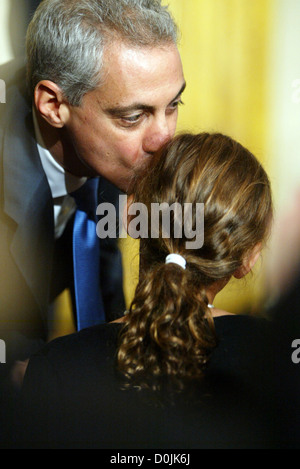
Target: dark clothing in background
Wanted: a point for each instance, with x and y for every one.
(72, 396)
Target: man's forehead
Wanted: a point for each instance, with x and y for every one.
(123, 56)
(130, 74)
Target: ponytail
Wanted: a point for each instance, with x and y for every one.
(168, 333)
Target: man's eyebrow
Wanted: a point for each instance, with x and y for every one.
(117, 111)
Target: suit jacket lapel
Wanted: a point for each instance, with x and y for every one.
(28, 201)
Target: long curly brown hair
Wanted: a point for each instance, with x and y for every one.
(169, 334)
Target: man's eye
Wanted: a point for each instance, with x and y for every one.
(176, 103)
(173, 107)
(129, 120)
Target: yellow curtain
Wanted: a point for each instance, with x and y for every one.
(224, 47)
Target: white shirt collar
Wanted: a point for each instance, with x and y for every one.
(60, 181)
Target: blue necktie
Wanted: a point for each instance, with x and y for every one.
(86, 257)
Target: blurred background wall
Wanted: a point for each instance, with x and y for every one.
(242, 67)
(14, 17)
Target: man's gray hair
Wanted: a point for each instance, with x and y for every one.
(65, 39)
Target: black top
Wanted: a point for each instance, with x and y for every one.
(72, 397)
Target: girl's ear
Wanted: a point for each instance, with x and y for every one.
(249, 262)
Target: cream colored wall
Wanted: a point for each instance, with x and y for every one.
(6, 52)
(283, 98)
(12, 29)
(283, 144)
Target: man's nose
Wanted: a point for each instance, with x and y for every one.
(159, 133)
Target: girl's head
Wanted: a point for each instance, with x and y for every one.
(169, 330)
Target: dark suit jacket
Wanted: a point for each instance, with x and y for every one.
(34, 268)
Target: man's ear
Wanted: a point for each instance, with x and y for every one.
(249, 262)
(50, 103)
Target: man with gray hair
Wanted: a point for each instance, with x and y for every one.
(105, 80)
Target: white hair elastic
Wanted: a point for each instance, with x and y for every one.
(176, 259)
